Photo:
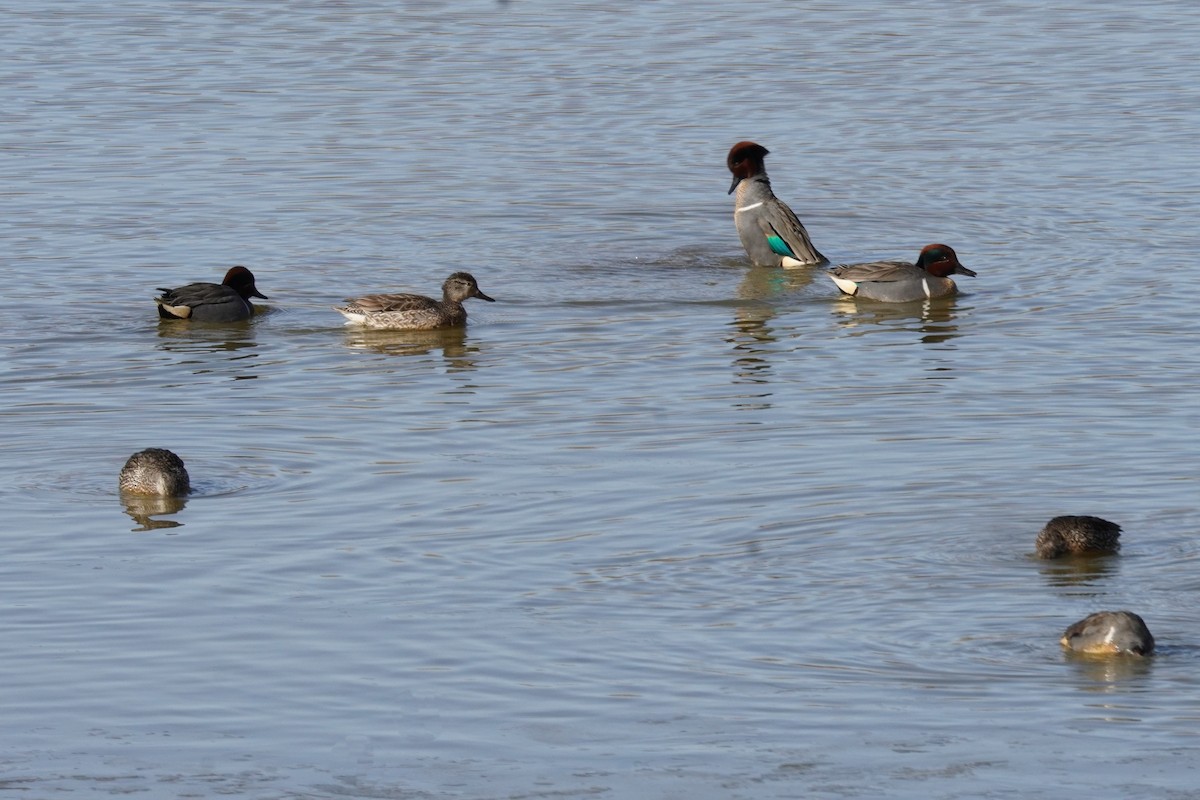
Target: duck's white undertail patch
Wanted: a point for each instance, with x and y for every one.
(849, 287)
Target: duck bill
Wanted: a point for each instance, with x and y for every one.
(961, 270)
(257, 293)
(732, 186)
(483, 296)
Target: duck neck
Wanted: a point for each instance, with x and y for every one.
(752, 190)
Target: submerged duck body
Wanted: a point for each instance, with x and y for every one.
(155, 471)
(1109, 632)
(414, 312)
(1076, 535)
(228, 301)
(772, 235)
(900, 281)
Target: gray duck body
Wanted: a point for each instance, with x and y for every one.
(228, 301)
(1109, 632)
(901, 281)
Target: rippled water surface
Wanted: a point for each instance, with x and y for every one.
(656, 524)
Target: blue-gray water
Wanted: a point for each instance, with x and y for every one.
(656, 524)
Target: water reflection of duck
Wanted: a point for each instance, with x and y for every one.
(933, 322)
(1069, 573)
(772, 285)
(1109, 632)
(142, 508)
(452, 342)
(1075, 535)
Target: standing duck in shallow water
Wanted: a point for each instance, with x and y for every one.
(1069, 535)
(900, 281)
(155, 471)
(228, 301)
(1109, 632)
(414, 312)
(771, 234)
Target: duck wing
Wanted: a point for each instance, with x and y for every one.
(786, 234)
(384, 303)
(183, 301)
(878, 271)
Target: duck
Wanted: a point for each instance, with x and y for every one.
(771, 233)
(227, 301)
(415, 312)
(1109, 632)
(900, 281)
(155, 471)
(1071, 535)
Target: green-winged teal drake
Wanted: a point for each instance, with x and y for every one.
(900, 281)
(771, 234)
(228, 301)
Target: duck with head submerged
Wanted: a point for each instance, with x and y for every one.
(1078, 535)
(154, 472)
(771, 234)
(228, 301)
(900, 281)
(414, 312)
(1109, 633)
